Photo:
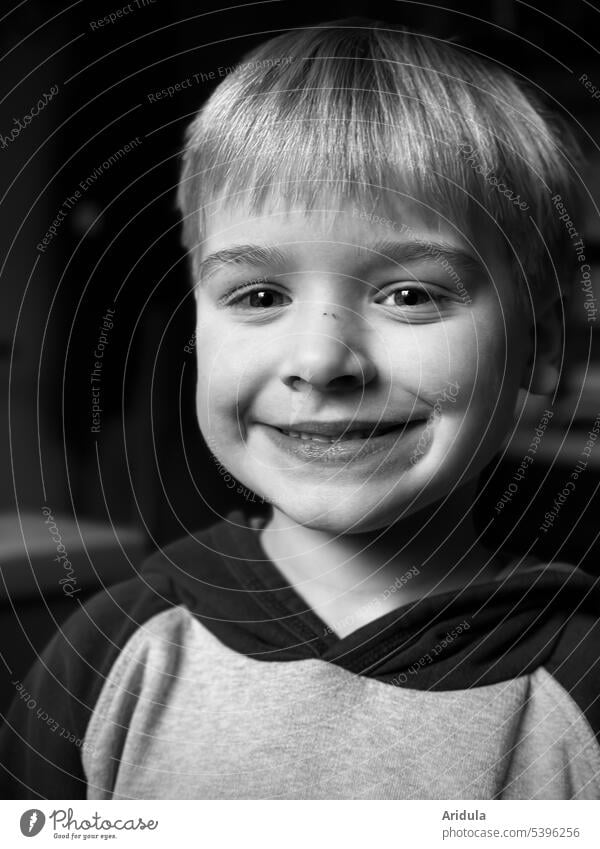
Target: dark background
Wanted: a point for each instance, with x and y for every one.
(148, 469)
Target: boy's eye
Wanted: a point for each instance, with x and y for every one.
(405, 295)
(263, 298)
(255, 296)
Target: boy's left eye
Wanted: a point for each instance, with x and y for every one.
(410, 296)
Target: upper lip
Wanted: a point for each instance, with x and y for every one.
(336, 428)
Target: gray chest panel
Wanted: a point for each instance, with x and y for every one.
(182, 716)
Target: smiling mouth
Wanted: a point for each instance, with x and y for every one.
(347, 435)
(346, 442)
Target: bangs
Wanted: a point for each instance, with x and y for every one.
(341, 112)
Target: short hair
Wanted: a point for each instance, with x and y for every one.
(347, 108)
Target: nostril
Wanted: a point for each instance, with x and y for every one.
(344, 382)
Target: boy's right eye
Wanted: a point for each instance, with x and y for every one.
(253, 296)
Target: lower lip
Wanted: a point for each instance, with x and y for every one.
(406, 436)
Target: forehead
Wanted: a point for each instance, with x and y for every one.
(391, 220)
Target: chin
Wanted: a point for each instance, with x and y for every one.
(341, 519)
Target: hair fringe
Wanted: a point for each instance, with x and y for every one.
(340, 111)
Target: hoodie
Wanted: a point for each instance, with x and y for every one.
(207, 676)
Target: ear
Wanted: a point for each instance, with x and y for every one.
(546, 343)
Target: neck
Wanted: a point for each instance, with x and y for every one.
(431, 551)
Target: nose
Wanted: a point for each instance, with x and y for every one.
(328, 354)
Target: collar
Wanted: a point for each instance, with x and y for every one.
(472, 636)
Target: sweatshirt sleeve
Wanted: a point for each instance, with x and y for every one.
(43, 735)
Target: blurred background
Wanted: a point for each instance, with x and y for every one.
(90, 238)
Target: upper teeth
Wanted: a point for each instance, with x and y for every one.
(359, 434)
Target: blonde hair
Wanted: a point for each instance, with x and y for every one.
(347, 108)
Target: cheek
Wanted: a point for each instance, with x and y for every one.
(431, 357)
(486, 371)
(463, 366)
(226, 380)
(216, 375)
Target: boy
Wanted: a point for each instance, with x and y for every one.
(377, 274)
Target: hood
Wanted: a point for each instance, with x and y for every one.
(473, 636)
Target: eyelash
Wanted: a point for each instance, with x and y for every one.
(236, 296)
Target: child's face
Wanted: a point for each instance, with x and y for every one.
(344, 335)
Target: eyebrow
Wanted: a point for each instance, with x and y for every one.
(249, 256)
(259, 256)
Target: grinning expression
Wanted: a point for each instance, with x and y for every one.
(354, 368)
